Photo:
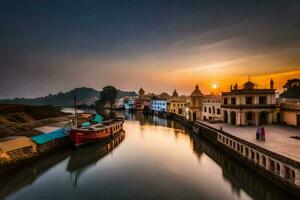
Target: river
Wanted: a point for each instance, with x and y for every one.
(155, 159)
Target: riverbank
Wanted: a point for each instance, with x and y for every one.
(21, 120)
(281, 169)
(20, 124)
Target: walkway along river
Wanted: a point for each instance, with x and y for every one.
(156, 158)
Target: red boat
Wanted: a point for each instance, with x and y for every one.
(95, 133)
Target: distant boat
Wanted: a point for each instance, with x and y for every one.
(97, 132)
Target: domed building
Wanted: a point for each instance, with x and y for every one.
(141, 92)
(175, 94)
(195, 108)
(249, 105)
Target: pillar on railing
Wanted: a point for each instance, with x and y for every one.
(282, 170)
(297, 177)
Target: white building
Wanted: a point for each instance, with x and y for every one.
(158, 105)
(129, 104)
(211, 107)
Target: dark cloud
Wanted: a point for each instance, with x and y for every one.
(47, 45)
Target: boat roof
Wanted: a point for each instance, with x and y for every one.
(47, 137)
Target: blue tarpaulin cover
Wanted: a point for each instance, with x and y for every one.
(47, 137)
(97, 119)
(85, 124)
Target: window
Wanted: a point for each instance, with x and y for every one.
(205, 109)
(248, 100)
(218, 111)
(225, 101)
(233, 100)
(209, 109)
(262, 100)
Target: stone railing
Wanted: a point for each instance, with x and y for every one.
(280, 166)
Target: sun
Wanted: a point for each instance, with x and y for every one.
(214, 86)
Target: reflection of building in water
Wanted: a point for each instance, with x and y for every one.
(86, 156)
(238, 175)
(16, 179)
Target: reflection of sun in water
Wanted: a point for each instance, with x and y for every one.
(214, 86)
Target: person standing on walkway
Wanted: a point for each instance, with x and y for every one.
(257, 132)
(262, 134)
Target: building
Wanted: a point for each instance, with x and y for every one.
(211, 107)
(119, 104)
(290, 112)
(177, 104)
(195, 105)
(164, 95)
(158, 104)
(143, 101)
(129, 103)
(16, 147)
(249, 105)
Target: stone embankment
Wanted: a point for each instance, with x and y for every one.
(280, 169)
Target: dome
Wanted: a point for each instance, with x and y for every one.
(196, 92)
(248, 85)
(175, 94)
(141, 92)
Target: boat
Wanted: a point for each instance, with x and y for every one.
(98, 132)
(94, 130)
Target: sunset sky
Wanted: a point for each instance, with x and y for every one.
(56, 45)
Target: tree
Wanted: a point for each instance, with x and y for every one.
(108, 95)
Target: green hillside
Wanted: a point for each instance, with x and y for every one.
(84, 96)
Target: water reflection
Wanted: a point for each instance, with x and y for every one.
(12, 180)
(86, 156)
(159, 159)
(239, 176)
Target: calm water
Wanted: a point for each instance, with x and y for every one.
(155, 159)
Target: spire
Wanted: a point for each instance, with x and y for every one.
(141, 92)
(175, 94)
(272, 84)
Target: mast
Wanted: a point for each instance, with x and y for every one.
(75, 105)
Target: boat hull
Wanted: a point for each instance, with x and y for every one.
(82, 137)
